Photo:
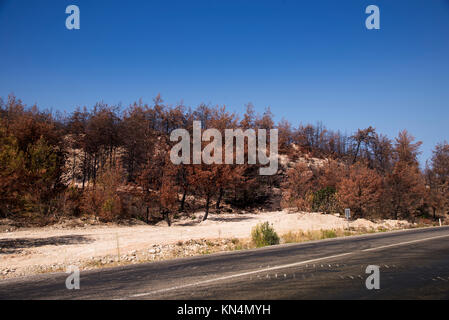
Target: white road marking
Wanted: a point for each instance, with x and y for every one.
(237, 275)
(404, 243)
(277, 268)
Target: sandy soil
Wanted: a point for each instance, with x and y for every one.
(21, 252)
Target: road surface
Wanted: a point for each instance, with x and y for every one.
(414, 264)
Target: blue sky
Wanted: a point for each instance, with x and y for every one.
(308, 60)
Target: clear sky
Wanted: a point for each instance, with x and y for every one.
(308, 60)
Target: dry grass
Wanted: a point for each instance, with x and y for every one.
(303, 236)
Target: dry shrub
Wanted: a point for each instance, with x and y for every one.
(302, 236)
(103, 200)
(361, 190)
(313, 188)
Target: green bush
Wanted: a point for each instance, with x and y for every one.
(325, 234)
(264, 235)
(324, 200)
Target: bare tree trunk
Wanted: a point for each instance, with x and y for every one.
(356, 153)
(84, 168)
(148, 215)
(73, 167)
(220, 197)
(207, 207)
(167, 218)
(95, 170)
(395, 215)
(183, 200)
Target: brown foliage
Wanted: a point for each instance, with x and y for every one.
(304, 181)
(361, 191)
(113, 153)
(437, 180)
(103, 199)
(405, 185)
(405, 190)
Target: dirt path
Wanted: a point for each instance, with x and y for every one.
(27, 251)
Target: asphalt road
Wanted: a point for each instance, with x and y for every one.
(414, 264)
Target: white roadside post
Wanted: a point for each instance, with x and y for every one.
(118, 247)
(348, 215)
